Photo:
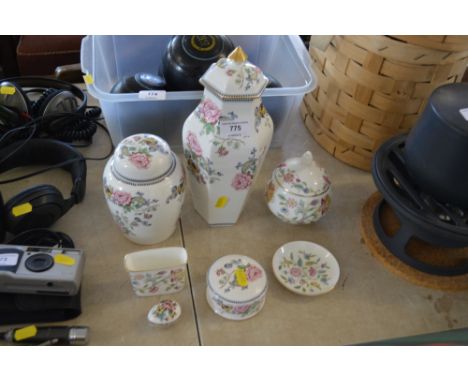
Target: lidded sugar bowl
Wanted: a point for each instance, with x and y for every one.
(236, 287)
(299, 190)
(144, 186)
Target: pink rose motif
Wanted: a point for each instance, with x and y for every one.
(288, 177)
(222, 151)
(241, 181)
(139, 277)
(241, 309)
(253, 272)
(192, 142)
(209, 111)
(312, 272)
(121, 198)
(140, 160)
(153, 289)
(295, 271)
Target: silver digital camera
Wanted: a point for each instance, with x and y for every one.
(40, 270)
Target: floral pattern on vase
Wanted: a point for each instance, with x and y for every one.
(261, 113)
(243, 179)
(133, 210)
(177, 191)
(244, 78)
(141, 151)
(160, 282)
(225, 144)
(304, 272)
(209, 115)
(236, 274)
(201, 168)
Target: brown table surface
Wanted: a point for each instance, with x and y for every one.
(369, 303)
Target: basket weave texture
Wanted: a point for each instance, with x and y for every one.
(371, 88)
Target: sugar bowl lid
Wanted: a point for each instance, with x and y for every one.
(235, 78)
(302, 176)
(143, 158)
(237, 278)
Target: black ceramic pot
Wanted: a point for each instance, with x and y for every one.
(436, 149)
(187, 58)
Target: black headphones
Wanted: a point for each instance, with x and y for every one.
(59, 108)
(40, 206)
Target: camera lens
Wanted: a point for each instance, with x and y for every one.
(39, 262)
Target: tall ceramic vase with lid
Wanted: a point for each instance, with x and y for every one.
(226, 138)
(144, 186)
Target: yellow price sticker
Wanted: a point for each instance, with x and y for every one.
(7, 90)
(25, 333)
(62, 259)
(21, 209)
(241, 277)
(88, 79)
(222, 201)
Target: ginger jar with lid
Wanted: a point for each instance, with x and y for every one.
(144, 186)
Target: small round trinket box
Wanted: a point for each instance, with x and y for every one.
(306, 268)
(165, 312)
(299, 191)
(236, 287)
(144, 186)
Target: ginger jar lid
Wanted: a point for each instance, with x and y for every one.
(237, 278)
(235, 78)
(143, 158)
(302, 176)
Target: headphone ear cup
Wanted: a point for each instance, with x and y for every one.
(37, 105)
(55, 101)
(17, 100)
(36, 207)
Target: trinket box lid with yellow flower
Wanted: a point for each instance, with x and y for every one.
(237, 278)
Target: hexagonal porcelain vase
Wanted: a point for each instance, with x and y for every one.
(226, 138)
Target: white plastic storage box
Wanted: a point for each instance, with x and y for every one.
(109, 58)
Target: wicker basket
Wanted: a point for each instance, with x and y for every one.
(374, 87)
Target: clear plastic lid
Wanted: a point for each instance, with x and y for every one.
(143, 157)
(237, 278)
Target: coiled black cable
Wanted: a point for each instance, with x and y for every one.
(73, 127)
(66, 127)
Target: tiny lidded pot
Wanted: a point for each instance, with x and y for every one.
(144, 186)
(299, 190)
(236, 287)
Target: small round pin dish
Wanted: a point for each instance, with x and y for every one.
(306, 268)
(164, 313)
